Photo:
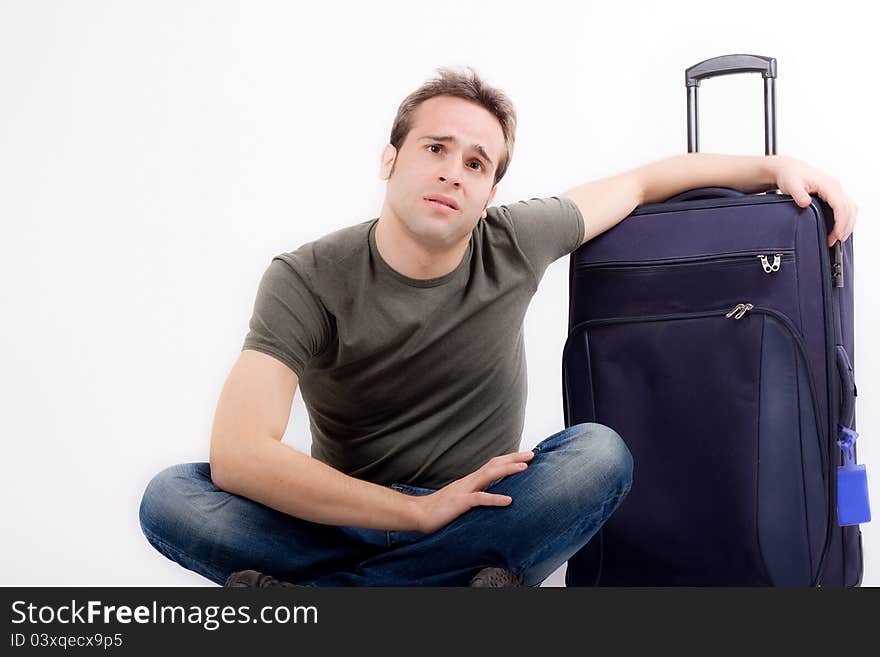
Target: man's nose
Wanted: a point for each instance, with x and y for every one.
(450, 178)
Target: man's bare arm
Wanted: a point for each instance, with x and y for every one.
(606, 202)
(249, 459)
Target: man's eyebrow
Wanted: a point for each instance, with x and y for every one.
(477, 147)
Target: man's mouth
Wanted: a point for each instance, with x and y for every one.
(440, 203)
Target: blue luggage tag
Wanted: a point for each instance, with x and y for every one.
(853, 505)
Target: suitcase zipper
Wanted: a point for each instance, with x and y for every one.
(770, 262)
(768, 268)
(827, 476)
(738, 312)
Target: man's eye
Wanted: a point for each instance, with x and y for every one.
(440, 146)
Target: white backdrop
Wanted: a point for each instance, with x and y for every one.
(154, 156)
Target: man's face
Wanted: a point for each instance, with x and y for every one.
(452, 150)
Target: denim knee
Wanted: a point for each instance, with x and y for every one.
(161, 504)
(599, 450)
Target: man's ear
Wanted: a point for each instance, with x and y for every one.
(489, 200)
(386, 162)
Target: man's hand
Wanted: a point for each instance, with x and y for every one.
(799, 180)
(445, 505)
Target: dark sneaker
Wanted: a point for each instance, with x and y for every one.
(251, 579)
(495, 577)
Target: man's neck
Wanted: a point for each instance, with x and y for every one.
(407, 256)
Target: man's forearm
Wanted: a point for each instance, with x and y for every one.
(275, 475)
(605, 203)
(665, 178)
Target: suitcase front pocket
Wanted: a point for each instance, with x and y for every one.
(719, 415)
(665, 286)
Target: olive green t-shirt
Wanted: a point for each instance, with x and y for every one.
(412, 381)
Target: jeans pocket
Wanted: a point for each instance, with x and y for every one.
(412, 490)
(396, 537)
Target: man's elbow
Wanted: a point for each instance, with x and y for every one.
(220, 462)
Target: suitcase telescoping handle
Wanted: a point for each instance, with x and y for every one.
(728, 65)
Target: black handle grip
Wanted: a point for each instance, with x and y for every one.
(729, 65)
(847, 388)
(706, 193)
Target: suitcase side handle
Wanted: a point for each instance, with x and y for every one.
(847, 413)
(729, 65)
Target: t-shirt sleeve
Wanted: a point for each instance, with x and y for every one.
(288, 321)
(545, 229)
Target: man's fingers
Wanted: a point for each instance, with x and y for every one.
(512, 457)
(842, 229)
(481, 498)
(851, 224)
(844, 218)
(500, 471)
(498, 468)
(846, 222)
(502, 462)
(486, 476)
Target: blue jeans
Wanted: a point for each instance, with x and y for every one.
(575, 481)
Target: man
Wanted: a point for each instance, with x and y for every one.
(405, 335)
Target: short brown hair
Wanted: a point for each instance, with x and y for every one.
(450, 82)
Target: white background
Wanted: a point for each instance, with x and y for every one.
(154, 156)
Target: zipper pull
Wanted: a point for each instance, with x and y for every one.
(739, 310)
(770, 268)
(746, 308)
(736, 308)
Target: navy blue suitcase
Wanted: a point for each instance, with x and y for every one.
(714, 333)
